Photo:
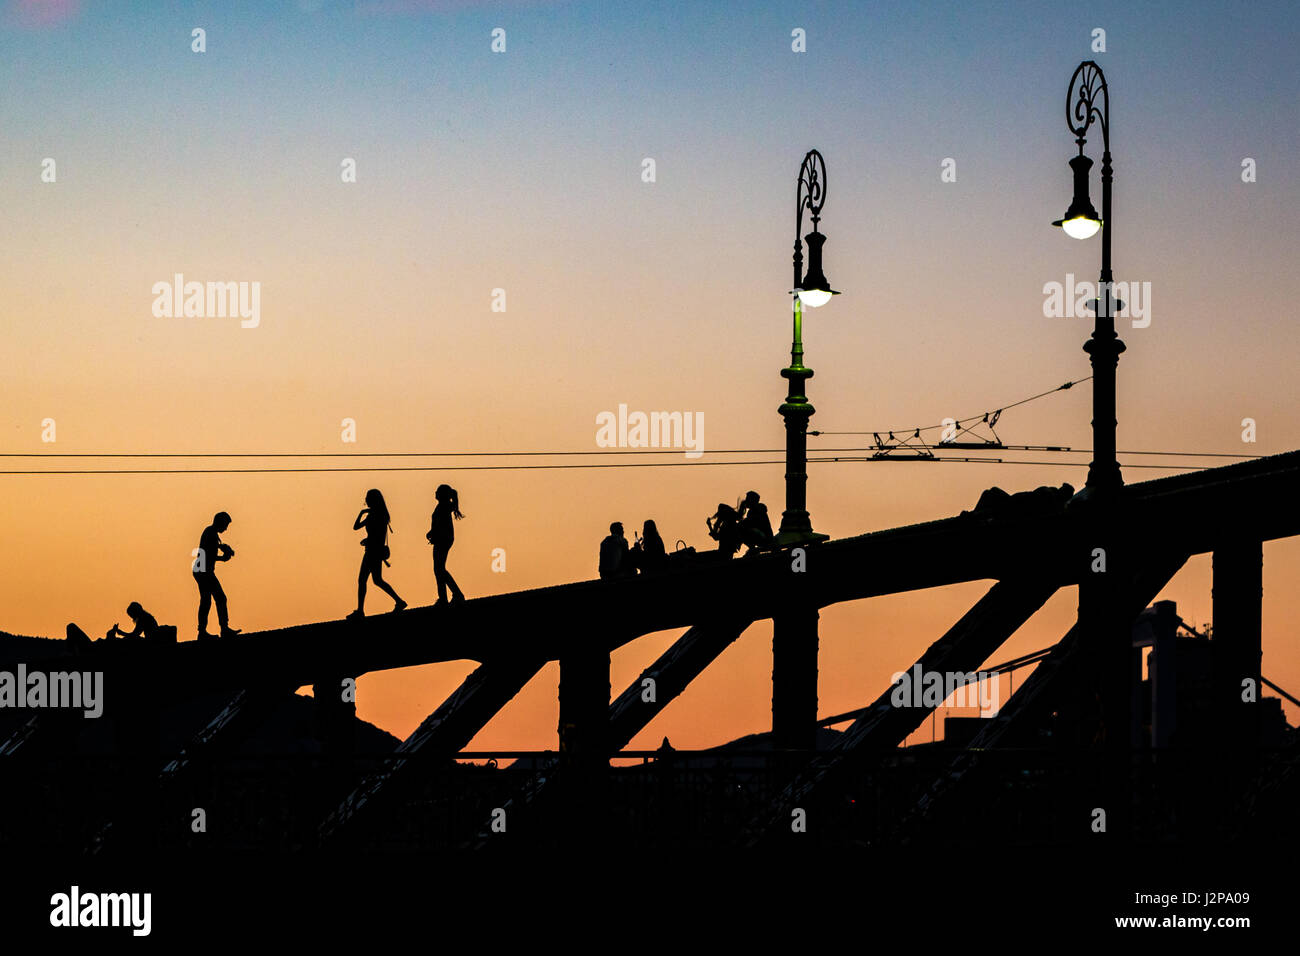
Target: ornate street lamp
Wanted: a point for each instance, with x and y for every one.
(1106, 624)
(1087, 101)
(810, 289)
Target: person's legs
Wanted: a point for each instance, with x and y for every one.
(456, 594)
(205, 600)
(730, 541)
(387, 588)
(361, 584)
(753, 538)
(219, 596)
(440, 571)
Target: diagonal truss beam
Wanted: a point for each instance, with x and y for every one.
(445, 731)
(1044, 687)
(49, 731)
(242, 714)
(964, 647)
(672, 672)
(630, 713)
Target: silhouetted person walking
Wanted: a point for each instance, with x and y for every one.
(376, 520)
(441, 535)
(212, 550)
(615, 559)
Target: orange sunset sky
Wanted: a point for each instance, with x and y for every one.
(522, 171)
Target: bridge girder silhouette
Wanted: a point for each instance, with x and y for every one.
(1191, 514)
(1030, 554)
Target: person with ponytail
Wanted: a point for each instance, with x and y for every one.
(375, 519)
(441, 534)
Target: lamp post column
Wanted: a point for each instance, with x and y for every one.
(1104, 350)
(794, 630)
(794, 626)
(796, 525)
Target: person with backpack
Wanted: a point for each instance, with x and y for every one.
(441, 535)
(375, 519)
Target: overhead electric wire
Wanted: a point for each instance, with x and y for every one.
(958, 421)
(395, 454)
(1062, 449)
(996, 461)
(879, 445)
(337, 468)
(482, 454)
(327, 469)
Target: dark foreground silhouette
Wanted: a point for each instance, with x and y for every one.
(746, 524)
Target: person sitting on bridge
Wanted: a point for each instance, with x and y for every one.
(147, 629)
(211, 550)
(615, 559)
(648, 555)
(724, 528)
(146, 625)
(755, 527)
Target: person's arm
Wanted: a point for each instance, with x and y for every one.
(361, 519)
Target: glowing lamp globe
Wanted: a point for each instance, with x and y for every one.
(814, 298)
(814, 291)
(1080, 227)
(1080, 220)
